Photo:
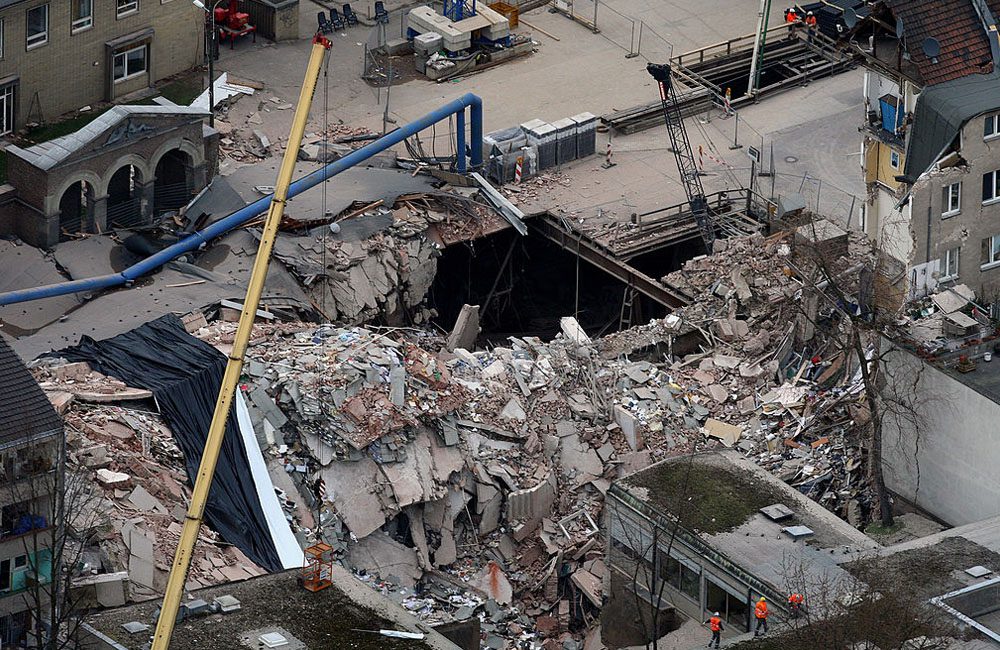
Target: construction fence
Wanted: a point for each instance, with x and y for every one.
(734, 154)
(634, 36)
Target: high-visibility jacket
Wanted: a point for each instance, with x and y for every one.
(796, 599)
(811, 21)
(791, 16)
(715, 623)
(760, 611)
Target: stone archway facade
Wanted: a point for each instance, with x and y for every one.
(137, 136)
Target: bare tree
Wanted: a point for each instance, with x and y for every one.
(842, 610)
(63, 514)
(861, 295)
(642, 549)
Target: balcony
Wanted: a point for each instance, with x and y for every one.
(874, 128)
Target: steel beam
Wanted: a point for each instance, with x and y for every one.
(560, 234)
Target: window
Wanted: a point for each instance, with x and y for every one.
(950, 267)
(6, 109)
(990, 251)
(951, 199)
(38, 26)
(991, 186)
(991, 127)
(130, 63)
(682, 575)
(83, 15)
(126, 7)
(735, 609)
(20, 561)
(894, 159)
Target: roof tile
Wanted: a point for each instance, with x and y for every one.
(25, 411)
(965, 48)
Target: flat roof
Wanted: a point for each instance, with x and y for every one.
(717, 497)
(326, 619)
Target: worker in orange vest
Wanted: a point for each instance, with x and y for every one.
(760, 611)
(792, 19)
(810, 26)
(795, 601)
(715, 624)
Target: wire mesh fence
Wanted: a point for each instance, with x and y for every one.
(635, 37)
(733, 153)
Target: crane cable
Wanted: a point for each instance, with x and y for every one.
(326, 142)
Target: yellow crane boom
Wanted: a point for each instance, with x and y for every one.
(234, 367)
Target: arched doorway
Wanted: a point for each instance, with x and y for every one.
(172, 188)
(76, 206)
(124, 198)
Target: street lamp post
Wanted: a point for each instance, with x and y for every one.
(211, 57)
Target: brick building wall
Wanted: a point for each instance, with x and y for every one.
(73, 68)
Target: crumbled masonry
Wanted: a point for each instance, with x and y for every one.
(459, 481)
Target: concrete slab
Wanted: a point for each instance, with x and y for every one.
(385, 557)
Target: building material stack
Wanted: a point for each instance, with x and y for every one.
(543, 135)
(424, 46)
(586, 134)
(565, 140)
(503, 150)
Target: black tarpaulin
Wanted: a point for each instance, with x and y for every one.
(184, 375)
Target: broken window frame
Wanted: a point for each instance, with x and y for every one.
(951, 258)
(894, 159)
(991, 187)
(951, 199)
(990, 253)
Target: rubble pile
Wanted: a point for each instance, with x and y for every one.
(485, 470)
(771, 378)
(137, 491)
(390, 271)
(334, 142)
(467, 482)
(532, 189)
(429, 465)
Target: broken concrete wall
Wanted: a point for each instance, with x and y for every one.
(358, 281)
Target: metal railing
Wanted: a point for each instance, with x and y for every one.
(724, 48)
(167, 198)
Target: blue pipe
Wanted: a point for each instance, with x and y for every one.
(460, 144)
(251, 211)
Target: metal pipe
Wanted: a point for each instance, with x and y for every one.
(476, 110)
(245, 214)
(213, 43)
(460, 141)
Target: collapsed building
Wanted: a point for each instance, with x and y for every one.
(458, 480)
(464, 477)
